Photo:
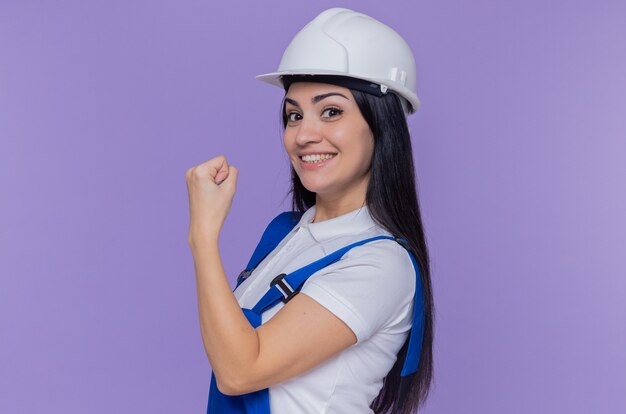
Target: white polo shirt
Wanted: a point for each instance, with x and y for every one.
(370, 289)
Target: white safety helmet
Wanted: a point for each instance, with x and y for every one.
(343, 42)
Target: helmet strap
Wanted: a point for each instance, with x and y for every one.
(345, 81)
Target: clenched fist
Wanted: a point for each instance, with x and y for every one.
(211, 187)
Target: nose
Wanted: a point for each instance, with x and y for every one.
(308, 132)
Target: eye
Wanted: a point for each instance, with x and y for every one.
(332, 112)
(290, 116)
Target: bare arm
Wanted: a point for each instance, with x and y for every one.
(230, 342)
(300, 336)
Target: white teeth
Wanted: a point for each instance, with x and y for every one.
(317, 157)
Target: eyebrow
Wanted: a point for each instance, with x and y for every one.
(315, 99)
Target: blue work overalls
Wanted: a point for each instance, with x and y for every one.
(283, 288)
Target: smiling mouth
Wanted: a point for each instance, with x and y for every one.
(317, 158)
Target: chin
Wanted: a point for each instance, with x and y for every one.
(312, 188)
(317, 188)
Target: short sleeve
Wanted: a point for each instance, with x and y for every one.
(367, 288)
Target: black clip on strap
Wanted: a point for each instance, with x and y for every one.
(404, 243)
(243, 275)
(284, 287)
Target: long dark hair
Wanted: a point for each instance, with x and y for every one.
(392, 201)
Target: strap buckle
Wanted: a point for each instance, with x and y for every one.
(243, 275)
(404, 243)
(284, 287)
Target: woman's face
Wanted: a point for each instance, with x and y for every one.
(324, 120)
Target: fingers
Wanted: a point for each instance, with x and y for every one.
(215, 170)
(233, 173)
(231, 177)
(218, 168)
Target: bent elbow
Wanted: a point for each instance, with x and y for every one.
(232, 386)
(226, 387)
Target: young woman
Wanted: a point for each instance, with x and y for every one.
(334, 311)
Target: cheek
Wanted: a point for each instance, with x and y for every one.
(362, 146)
(288, 141)
(290, 147)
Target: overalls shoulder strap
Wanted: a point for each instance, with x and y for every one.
(278, 228)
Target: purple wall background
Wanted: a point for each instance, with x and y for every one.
(519, 148)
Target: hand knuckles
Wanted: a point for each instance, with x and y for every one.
(189, 174)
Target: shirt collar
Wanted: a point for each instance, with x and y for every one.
(353, 222)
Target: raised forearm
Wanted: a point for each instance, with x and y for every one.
(230, 342)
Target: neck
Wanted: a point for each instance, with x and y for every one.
(331, 206)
